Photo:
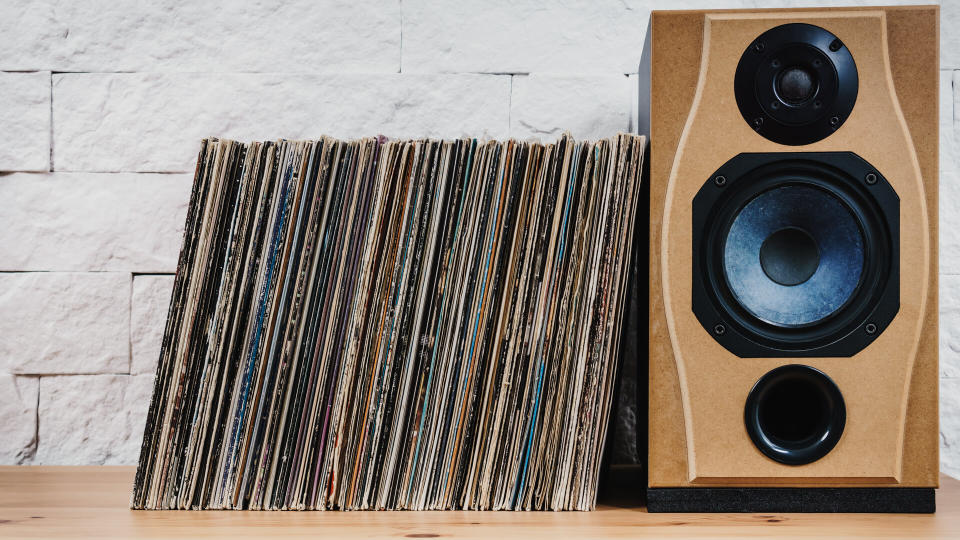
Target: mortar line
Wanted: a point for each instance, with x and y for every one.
(36, 424)
(400, 62)
(48, 375)
(130, 327)
(50, 141)
(510, 108)
(82, 272)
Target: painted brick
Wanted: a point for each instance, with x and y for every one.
(52, 323)
(545, 106)
(950, 326)
(25, 117)
(509, 36)
(148, 316)
(18, 416)
(92, 419)
(950, 426)
(153, 122)
(83, 221)
(170, 35)
(949, 38)
(28, 36)
(949, 175)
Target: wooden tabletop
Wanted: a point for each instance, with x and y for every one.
(91, 502)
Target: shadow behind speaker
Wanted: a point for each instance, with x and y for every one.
(792, 258)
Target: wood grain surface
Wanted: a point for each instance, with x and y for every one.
(92, 502)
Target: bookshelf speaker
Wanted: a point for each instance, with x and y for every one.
(792, 259)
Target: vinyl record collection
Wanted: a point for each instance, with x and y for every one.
(381, 324)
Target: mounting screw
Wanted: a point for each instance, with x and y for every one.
(775, 63)
(758, 122)
(720, 180)
(871, 179)
(817, 104)
(759, 46)
(834, 121)
(835, 45)
(870, 328)
(817, 62)
(775, 105)
(719, 329)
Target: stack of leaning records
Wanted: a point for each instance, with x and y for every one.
(378, 324)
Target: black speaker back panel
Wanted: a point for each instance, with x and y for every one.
(795, 254)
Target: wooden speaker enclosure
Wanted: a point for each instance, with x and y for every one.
(697, 389)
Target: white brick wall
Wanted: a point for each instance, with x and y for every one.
(104, 104)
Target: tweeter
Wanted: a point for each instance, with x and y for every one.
(796, 84)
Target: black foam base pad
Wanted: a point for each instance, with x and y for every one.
(782, 500)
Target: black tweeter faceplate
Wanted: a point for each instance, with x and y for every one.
(796, 84)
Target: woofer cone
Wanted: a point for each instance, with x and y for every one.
(795, 414)
(796, 254)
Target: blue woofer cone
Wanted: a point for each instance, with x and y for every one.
(794, 255)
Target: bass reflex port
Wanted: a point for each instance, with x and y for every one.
(795, 414)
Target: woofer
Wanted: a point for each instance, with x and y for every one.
(795, 414)
(795, 254)
(796, 84)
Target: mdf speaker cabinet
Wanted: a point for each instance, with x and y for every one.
(793, 340)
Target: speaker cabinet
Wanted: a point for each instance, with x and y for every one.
(792, 259)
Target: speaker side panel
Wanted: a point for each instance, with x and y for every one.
(914, 42)
(677, 39)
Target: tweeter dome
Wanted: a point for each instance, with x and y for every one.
(792, 259)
